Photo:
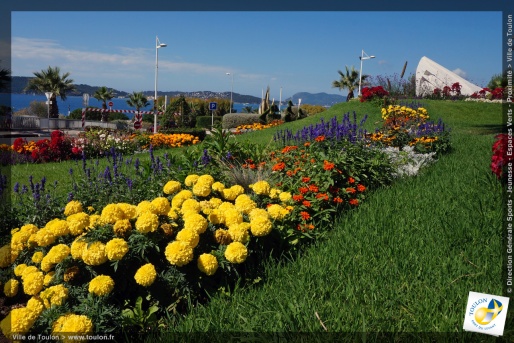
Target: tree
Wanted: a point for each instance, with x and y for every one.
(349, 81)
(5, 79)
(498, 80)
(103, 94)
(137, 100)
(51, 80)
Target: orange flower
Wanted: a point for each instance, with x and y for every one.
(278, 166)
(338, 200)
(350, 190)
(351, 180)
(328, 165)
(306, 179)
(361, 188)
(306, 203)
(303, 190)
(298, 197)
(354, 202)
(289, 148)
(313, 160)
(320, 138)
(305, 215)
(322, 196)
(290, 173)
(313, 188)
(307, 144)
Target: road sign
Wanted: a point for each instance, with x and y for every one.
(213, 106)
(137, 125)
(110, 104)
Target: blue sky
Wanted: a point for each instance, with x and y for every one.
(298, 51)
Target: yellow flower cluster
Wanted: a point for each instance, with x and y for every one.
(405, 112)
(72, 207)
(146, 275)
(261, 187)
(207, 263)
(160, 140)
(69, 325)
(116, 248)
(257, 126)
(54, 296)
(423, 140)
(20, 320)
(101, 285)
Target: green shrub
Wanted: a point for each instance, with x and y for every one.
(206, 121)
(232, 120)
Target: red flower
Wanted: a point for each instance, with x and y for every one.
(322, 196)
(306, 179)
(354, 202)
(313, 188)
(303, 190)
(338, 200)
(319, 138)
(328, 165)
(307, 144)
(278, 166)
(361, 188)
(306, 203)
(305, 215)
(351, 180)
(298, 197)
(351, 190)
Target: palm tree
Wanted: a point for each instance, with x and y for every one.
(137, 100)
(5, 79)
(350, 80)
(103, 94)
(51, 80)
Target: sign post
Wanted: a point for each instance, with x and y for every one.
(212, 106)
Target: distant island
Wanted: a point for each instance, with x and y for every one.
(20, 82)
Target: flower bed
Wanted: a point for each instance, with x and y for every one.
(257, 126)
(134, 242)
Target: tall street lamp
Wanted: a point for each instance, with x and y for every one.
(231, 90)
(361, 57)
(158, 45)
(48, 102)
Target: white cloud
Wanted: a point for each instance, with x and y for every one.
(460, 72)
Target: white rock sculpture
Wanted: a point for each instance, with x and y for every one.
(430, 75)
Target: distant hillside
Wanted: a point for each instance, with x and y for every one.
(322, 99)
(20, 82)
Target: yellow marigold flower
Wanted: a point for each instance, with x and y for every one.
(146, 275)
(19, 240)
(54, 296)
(206, 207)
(94, 220)
(173, 213)
(69, 325)
(72, 207)
(33, 283)
(191, 180)
(101, 285)
(222, 237)
(216, 216)
(129, 210)
(48, 278)
(203, 185)
(260, 226)
(180, 197)
(94, 254)
(191, 205)
(145, 206)
(172, 187)
(28, 270)
(215, 202)
(285, 196)
(35, 305)
(77, 248)
(58, 227)
(18, 321)
(245, 204)
(116, 248)
(274, 193)
(122, 227)
(236, 252)
(195, 222)
(11, 288)
(179, 253)
(261, 187)
(111, 213)
(77, 223)
(207, 263)
(218, 187)
(30, 228)
(162, 205)
(233, 192)
(147, 222)
(233, 216)
(56, 255)
(277, 212)
(5, 256)
(258, 212)
(188, 236)
(18, 270)
(44, 237)
(239, 232)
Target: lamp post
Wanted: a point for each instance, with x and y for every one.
(48, 102)
(231, 90)
(361, 57)
(158, 45)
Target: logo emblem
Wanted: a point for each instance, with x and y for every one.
(486, 313)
